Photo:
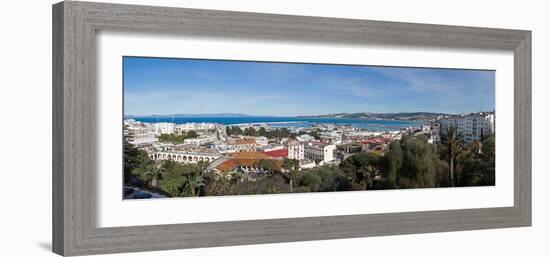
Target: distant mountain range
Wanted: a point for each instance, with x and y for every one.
(381, 116)
(357, 115)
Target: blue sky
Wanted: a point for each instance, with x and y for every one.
(186, 86)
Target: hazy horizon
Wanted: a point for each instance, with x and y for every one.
(250, 115)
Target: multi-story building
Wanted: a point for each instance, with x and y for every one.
(261, 141)
(304, 138)
(270, 147)
(202, 140)
(140, 135)
(184, 127)
(375, 144)
(346, 150)
(164, 128)
(363, 133)
(194, 126)
(472, 127)
(235, 145)
(184, 153)
(319, 152)
(295, 150)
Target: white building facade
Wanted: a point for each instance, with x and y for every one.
(472, 127)
(186, 127)
(203, 140)
(319, 152)
(296, 151)
(164, 128)
(261, 141)
(304, 138)
(140, 135)
(183, 157)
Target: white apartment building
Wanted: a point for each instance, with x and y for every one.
(184, 127)
(235, 145)
(131, 122)
(295, 151)
(140, 135)
(261, 141)
(472, 126)
(203, 140)
(164, 128)
(330, 133)
(320, 152)
(194, 126)
(270, 147)
(362, 133)
(304, 138)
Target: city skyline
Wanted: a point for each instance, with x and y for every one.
(164, 86)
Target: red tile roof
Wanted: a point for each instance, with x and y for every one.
(250, 155)
(277, 153)
(245, 159)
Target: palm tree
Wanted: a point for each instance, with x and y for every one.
(368, 173)
(453, 141)
(237, 176)
(150, 172)
(194, 183)
(291, 175)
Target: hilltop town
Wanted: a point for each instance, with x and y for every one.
(254, 151)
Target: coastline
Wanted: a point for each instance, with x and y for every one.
(275, 121)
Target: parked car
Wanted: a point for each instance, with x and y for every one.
(128, 191)
(142, 195)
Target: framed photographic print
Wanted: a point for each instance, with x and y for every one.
(183, 128)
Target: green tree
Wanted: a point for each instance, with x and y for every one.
(453, 142)
(233, 130)
(216, 184)
(411, 162)
(391, 163)
(268, 165)
(477, 168)
(153, 174)
(194, 183)
(134, 158)
(332, 178)
(418, 169)
(173, 178)
(237, 177)
(361, 168)
(177, 139)
(192, 134)
(488, 148)
(308, 182)
(250, 131)
(181, 179)
(262, 132)
(291, 166)
(315, 134)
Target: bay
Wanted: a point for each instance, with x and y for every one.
(296, 122)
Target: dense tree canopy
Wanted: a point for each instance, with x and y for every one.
(361, 169)
(177, 139)
(250, 131)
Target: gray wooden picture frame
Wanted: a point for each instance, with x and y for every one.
(75, 25)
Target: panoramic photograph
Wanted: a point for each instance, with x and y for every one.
(197, 127)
